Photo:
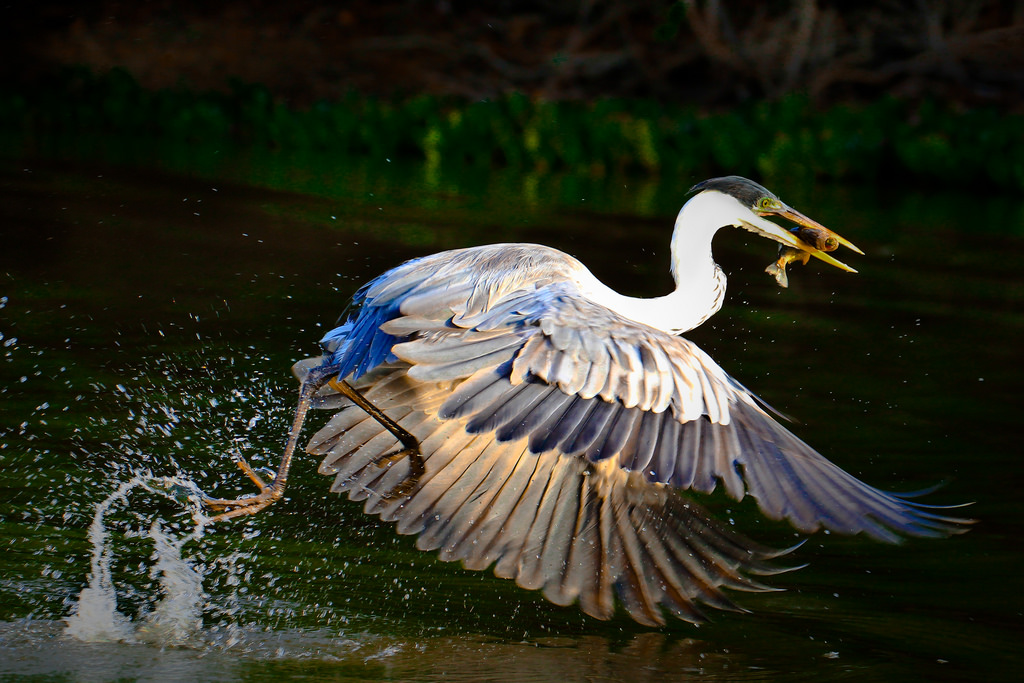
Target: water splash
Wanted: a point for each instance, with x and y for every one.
(177, 615)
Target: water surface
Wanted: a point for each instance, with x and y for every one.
(151, 311)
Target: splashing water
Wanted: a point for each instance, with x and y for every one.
(177, 615)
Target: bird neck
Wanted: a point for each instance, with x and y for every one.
(693, 267)
(700, 283)
(684, 309)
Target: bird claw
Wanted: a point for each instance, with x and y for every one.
(389, 458)
(253, 474)
(416, 470)
(248, 505)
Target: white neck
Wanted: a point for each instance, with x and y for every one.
(700, 284)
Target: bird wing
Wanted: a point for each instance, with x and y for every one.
(536, 359)
(572, 376)
(576, 530)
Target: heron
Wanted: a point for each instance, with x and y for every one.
(510, 410)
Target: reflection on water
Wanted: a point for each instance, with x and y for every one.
(148, 322)
(36, 648)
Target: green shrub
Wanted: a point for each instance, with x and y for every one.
(785, 138)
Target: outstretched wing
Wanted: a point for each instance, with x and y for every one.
(571, 376)
(575, 530)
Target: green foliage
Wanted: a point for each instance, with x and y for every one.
(790, 137)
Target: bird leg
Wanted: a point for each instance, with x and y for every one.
(411, 444)
(270, 493)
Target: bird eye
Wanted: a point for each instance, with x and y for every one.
(767, 203)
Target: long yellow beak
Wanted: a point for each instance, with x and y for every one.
(825, 239)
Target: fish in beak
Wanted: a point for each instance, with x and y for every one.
(809, 238)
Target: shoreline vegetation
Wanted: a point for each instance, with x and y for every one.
(927, 94)
(918, 142)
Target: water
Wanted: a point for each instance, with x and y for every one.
(150, 314)
(177, 614)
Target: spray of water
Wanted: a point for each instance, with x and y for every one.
(177, 615)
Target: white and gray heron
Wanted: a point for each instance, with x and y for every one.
(511, 410)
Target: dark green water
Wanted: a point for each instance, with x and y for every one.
(151, 311)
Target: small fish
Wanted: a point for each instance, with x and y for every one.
(822, 240)
(786, 256)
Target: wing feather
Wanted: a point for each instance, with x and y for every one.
(546, 435)
(495, 536)
(619, 432)
(573, 422)
(516, 401)
(639, 449)
(665, 456)
(593, 429)
(685, 472)
(530, 422)
(639, 596)
(584, 567)
(530, 572)
(463, 499)
(425, 511)
(490, 502)
(514, 538)
(597, 372)
(558, 541)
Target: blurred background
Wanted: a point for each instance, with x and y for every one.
(707, 53)
(190, 192)
(851, 90)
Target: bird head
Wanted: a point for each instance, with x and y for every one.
(745, 204)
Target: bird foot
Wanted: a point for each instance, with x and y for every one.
(416, 470)
(248, 505)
